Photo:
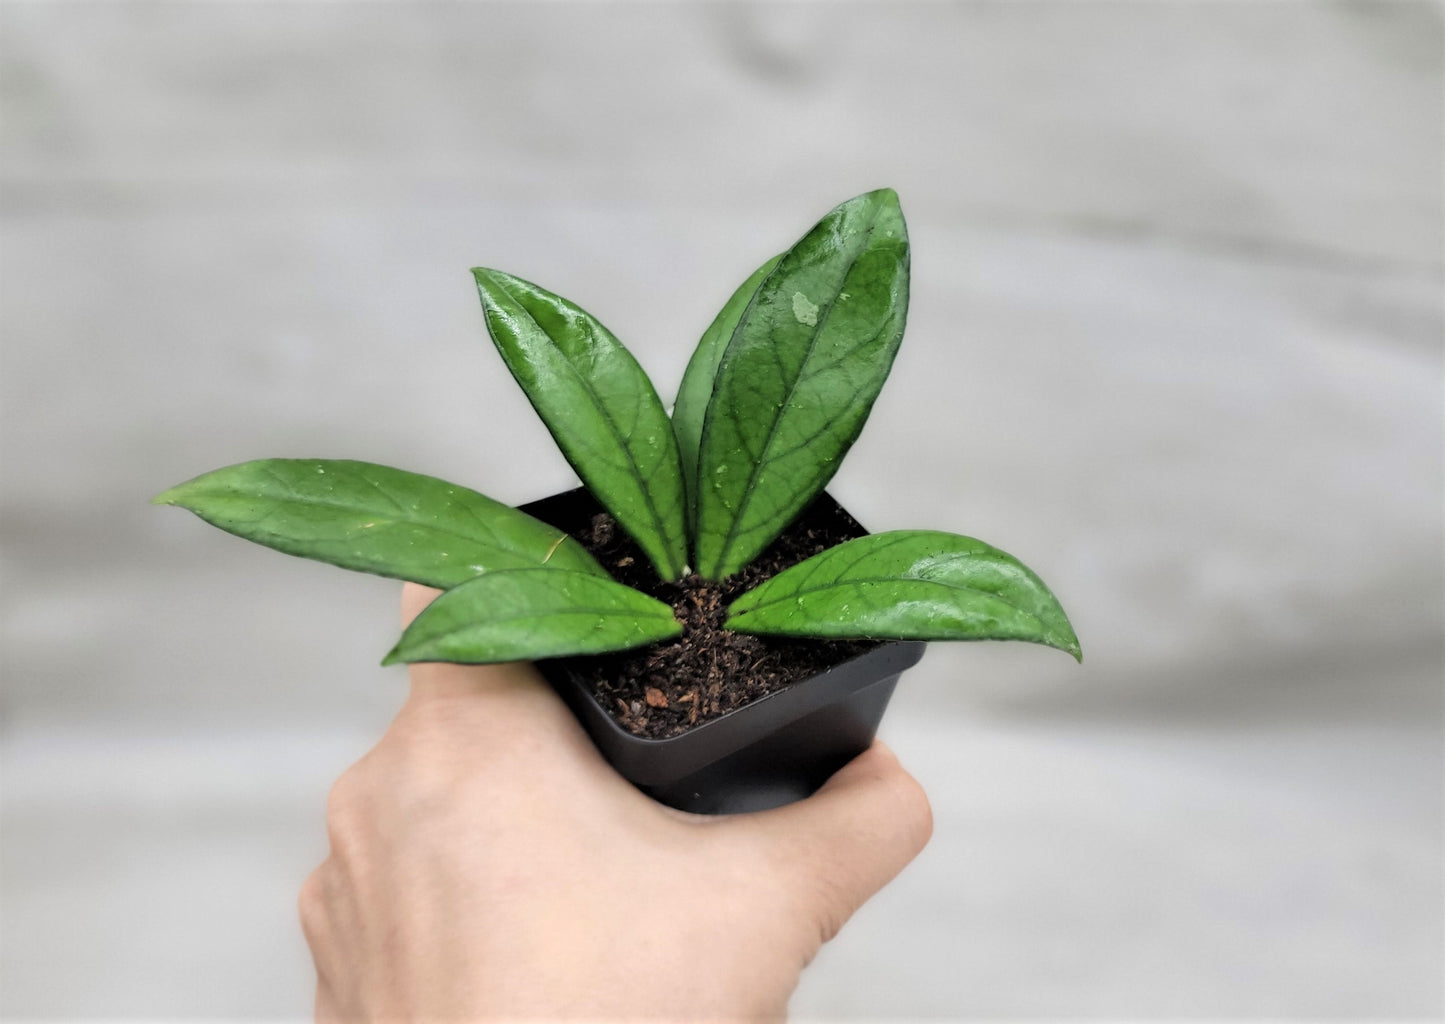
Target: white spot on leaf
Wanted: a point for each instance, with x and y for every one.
(804, 312)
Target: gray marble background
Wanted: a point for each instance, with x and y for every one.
(1176, 339)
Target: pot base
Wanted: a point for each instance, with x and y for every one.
(786, 765)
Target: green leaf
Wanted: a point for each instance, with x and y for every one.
(908, 585)
(376, 519)
(697, 380)
(600, 407)
(799, 377)
(520, 614)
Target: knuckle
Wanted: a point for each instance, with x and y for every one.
(346, 793)
(423, 769)
(423, 723)
(902, 806)
(416, 771)
(914, 810)
(437, 722)
(829, 920)
(830, 900)
(348, 807)
(311, 906)
(814, 882)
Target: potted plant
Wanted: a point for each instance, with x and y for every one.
(726, 633)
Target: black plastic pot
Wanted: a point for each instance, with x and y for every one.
(778, 749)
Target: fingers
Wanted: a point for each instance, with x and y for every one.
(517, 700)
(485, 715)
(439, 679)
(845, 842)
(415, 597)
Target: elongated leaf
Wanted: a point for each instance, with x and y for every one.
(908, 585)
(697, 380)
(799, 377)
(519, 614)
(600, 407)
(376, 519)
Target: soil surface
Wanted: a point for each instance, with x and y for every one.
(667, 688)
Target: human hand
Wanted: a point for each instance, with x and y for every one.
(486, 862)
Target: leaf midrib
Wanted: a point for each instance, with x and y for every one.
(821, 469)
(746, 501)
(390, 520)
(613, 613)
(601, 408)
(893, 579)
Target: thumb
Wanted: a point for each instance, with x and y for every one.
(414, 599)
(511, 696)
(443, 679)
(849, 839)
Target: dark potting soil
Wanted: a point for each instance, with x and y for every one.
(667, 688)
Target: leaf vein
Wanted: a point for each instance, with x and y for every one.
(745, 498)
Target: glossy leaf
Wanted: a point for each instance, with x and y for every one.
(376, 519)
(697, 380)
(520, 614)
(602, 410)
(799, 377)
(908, 585)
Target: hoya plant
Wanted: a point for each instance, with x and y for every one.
(775, 394)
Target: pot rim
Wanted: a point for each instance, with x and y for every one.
(906, 652)
(649, 761)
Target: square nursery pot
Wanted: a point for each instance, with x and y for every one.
(775, 750)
